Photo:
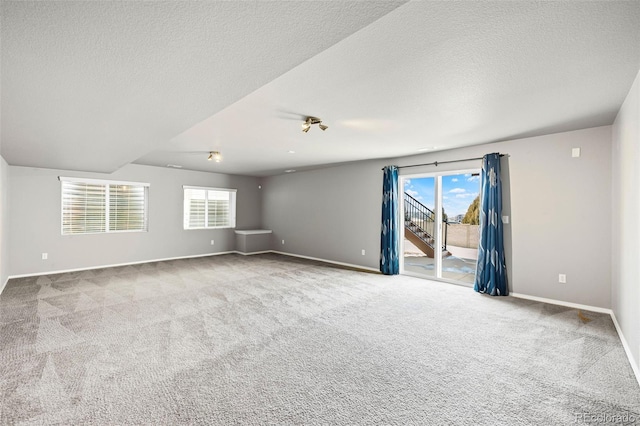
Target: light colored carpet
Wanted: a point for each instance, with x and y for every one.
(270, 339)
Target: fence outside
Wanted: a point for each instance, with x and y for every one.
(462, 235)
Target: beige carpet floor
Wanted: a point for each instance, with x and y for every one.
(271, 339)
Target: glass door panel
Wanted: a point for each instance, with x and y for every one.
(460, 202)
(420, 226)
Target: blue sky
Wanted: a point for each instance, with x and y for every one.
(458, 191)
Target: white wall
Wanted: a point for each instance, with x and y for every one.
(35, 209)
(625, 289)
(4, 223)
(559, 207)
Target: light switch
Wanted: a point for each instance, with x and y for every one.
(575, 152)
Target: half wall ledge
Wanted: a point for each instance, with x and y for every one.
(253, 240)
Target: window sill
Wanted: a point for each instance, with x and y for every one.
(254, 231)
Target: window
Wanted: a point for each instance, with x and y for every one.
(209, 208)
(92, 206)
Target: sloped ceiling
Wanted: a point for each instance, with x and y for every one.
(94, 86)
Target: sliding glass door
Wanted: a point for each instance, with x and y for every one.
(440, 213)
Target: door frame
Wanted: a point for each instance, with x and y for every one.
(437, 175)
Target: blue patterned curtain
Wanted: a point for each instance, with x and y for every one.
(389, 238)
(491, 272)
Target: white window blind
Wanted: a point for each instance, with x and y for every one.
(127, 208)
(83, 208)
(94, 206)
(209, 208)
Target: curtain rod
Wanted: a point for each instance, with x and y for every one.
(435, 163)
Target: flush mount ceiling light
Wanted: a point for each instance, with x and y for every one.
(215, 155)
(313, 120)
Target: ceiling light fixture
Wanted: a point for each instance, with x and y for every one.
(215, 155)
(313, 120)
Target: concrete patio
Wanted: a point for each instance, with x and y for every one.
(454, 267)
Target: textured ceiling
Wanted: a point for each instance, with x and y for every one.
(94, 86)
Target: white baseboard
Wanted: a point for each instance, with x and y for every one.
(62, 271)
(625, 345)
(563, 303)
(350, 265)
(251, 253)
(4, 285)
(627, 349)
(114, 265)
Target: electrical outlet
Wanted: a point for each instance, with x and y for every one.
(562, 278)
(363, 252)
(45, 256)
(212, 242)
(282, 242)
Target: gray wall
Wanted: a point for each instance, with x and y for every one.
(253, 243)
(330, 213)
(4, 223)
(559, 208)
(35, 209)
(625, 289)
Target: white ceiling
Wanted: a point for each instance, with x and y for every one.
(97, 85)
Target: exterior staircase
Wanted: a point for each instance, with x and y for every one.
(419, 226)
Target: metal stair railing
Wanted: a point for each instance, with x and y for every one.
(421, 221)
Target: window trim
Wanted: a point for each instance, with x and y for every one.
(101, 181)
(106, 183)
(233, 208)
